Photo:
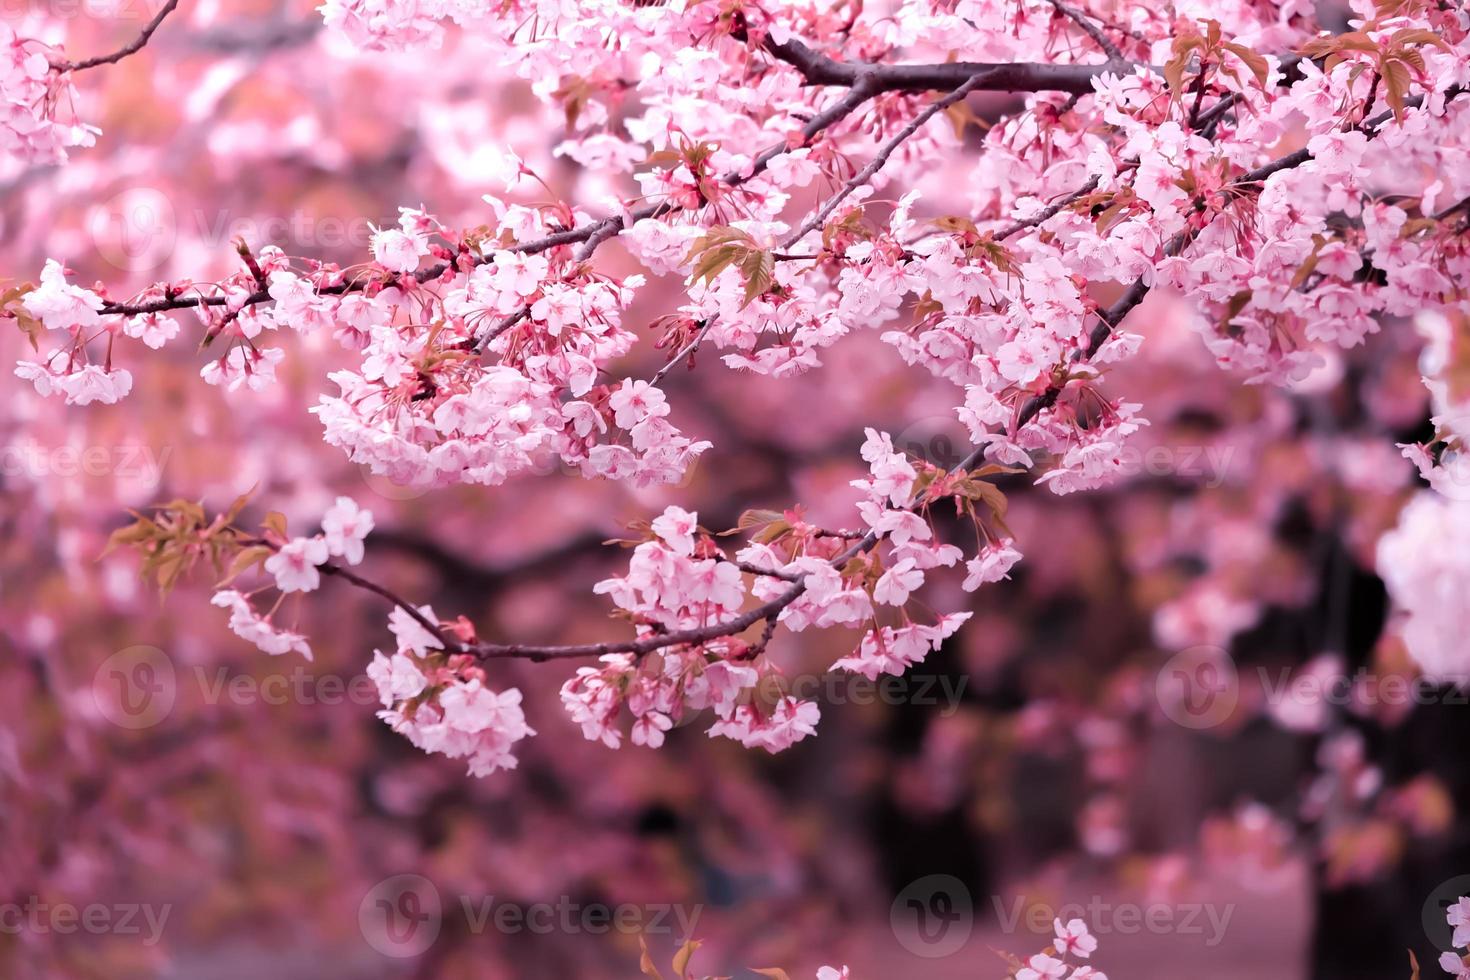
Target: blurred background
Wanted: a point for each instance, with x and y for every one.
(1121, 733)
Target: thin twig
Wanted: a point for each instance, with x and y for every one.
(132, 47)
(688, 351)
(1091, 29)
(876, 164)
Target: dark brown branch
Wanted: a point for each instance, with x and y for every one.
(132, 47)
(1091, 29)
(1452, 210)
(687, 352)
(589, 236)
(818, 69)
(343, 572)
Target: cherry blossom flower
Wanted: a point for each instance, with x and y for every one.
(295, 564)
(399, 249)
(1454, 964)
(1458, 916)
(676, 526)
(248, 625)
(397, 677)
(411, 634)
(345, 526)
(1042, 967)
(992, 565)
(1073, 939)
(94, 384)
(60, 305)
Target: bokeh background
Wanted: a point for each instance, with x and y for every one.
(1108, 731)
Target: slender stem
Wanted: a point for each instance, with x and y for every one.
(132, 47)
(1091, 29)
(876, 164)
(688, 351)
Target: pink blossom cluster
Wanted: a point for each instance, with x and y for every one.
(441, 703)
(295, 566)
(71, 310)
(1458, 917)
(33, 97)
(1072, 940)
(680, 582)
(424, 409)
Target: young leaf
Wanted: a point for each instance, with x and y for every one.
(682, 957)
(645, 962)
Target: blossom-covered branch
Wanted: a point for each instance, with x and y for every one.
(1247, 165)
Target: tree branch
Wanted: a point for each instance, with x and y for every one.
(818, 69)
(132, 47)
(876, 164)
(1091, 29)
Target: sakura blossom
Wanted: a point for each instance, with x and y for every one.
(558, 395)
